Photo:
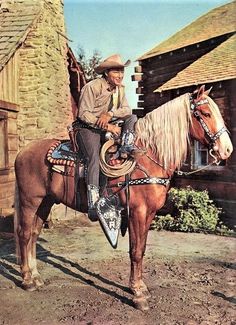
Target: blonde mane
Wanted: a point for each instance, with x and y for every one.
(165, 131)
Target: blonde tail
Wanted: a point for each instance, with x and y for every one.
(16, 223)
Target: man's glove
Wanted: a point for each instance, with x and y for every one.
(114, 129)
(102, 121)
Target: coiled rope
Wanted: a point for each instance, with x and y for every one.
(118, 170)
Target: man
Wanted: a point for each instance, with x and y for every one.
(101, 101)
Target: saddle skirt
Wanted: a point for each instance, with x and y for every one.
(63, 159)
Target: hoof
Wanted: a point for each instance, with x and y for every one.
(142, 292)
(141, 303)
(147, 294)
(38, 282)
(29, 286)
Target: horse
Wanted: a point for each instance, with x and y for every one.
(165, 134)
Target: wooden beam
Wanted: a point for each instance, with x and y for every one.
(139, 90)
(138, 69)
(140, 104)
(141, 97)
(136, 77)
(9, 106)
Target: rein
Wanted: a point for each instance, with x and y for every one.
(216, 161)
(182, 173)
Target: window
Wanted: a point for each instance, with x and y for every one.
(201, 156)
(3, 141)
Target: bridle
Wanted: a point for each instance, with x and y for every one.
(212, 137)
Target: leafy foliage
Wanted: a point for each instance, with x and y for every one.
(89, 63)
(193, 211)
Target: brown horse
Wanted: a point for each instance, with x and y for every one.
(164, 133)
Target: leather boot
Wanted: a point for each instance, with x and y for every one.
(128, 147)
(93, 196)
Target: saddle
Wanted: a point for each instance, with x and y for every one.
(64, 155)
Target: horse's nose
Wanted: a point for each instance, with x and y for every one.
(229, 150)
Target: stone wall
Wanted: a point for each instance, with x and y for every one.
(44, 93)
(39, 82)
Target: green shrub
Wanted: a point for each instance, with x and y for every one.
(193, 211)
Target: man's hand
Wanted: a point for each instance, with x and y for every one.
(115, 129)
(102, 121)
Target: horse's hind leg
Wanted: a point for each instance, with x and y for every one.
(24, 232)
(36, 278)
(40, 217)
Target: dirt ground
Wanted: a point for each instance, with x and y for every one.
(190, 277)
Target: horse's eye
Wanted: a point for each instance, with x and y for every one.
(206, 114)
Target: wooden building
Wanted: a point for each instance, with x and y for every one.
(204, 52)
(40, 82)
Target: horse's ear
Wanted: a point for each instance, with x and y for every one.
(198, 92)
(207, 92)
(201, 91)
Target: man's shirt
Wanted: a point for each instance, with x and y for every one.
(96, 98)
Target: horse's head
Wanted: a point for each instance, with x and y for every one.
(208, 125)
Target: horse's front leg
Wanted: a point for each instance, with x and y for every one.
(138, 230)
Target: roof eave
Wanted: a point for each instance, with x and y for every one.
(200, 82)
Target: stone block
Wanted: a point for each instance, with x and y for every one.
(44, 123)
(30, 121)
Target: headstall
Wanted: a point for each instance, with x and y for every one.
(212, 137)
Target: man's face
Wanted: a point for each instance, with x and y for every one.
(115, 76)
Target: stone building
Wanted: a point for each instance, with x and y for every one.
(40, 82)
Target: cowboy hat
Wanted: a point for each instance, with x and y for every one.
(113, 61)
